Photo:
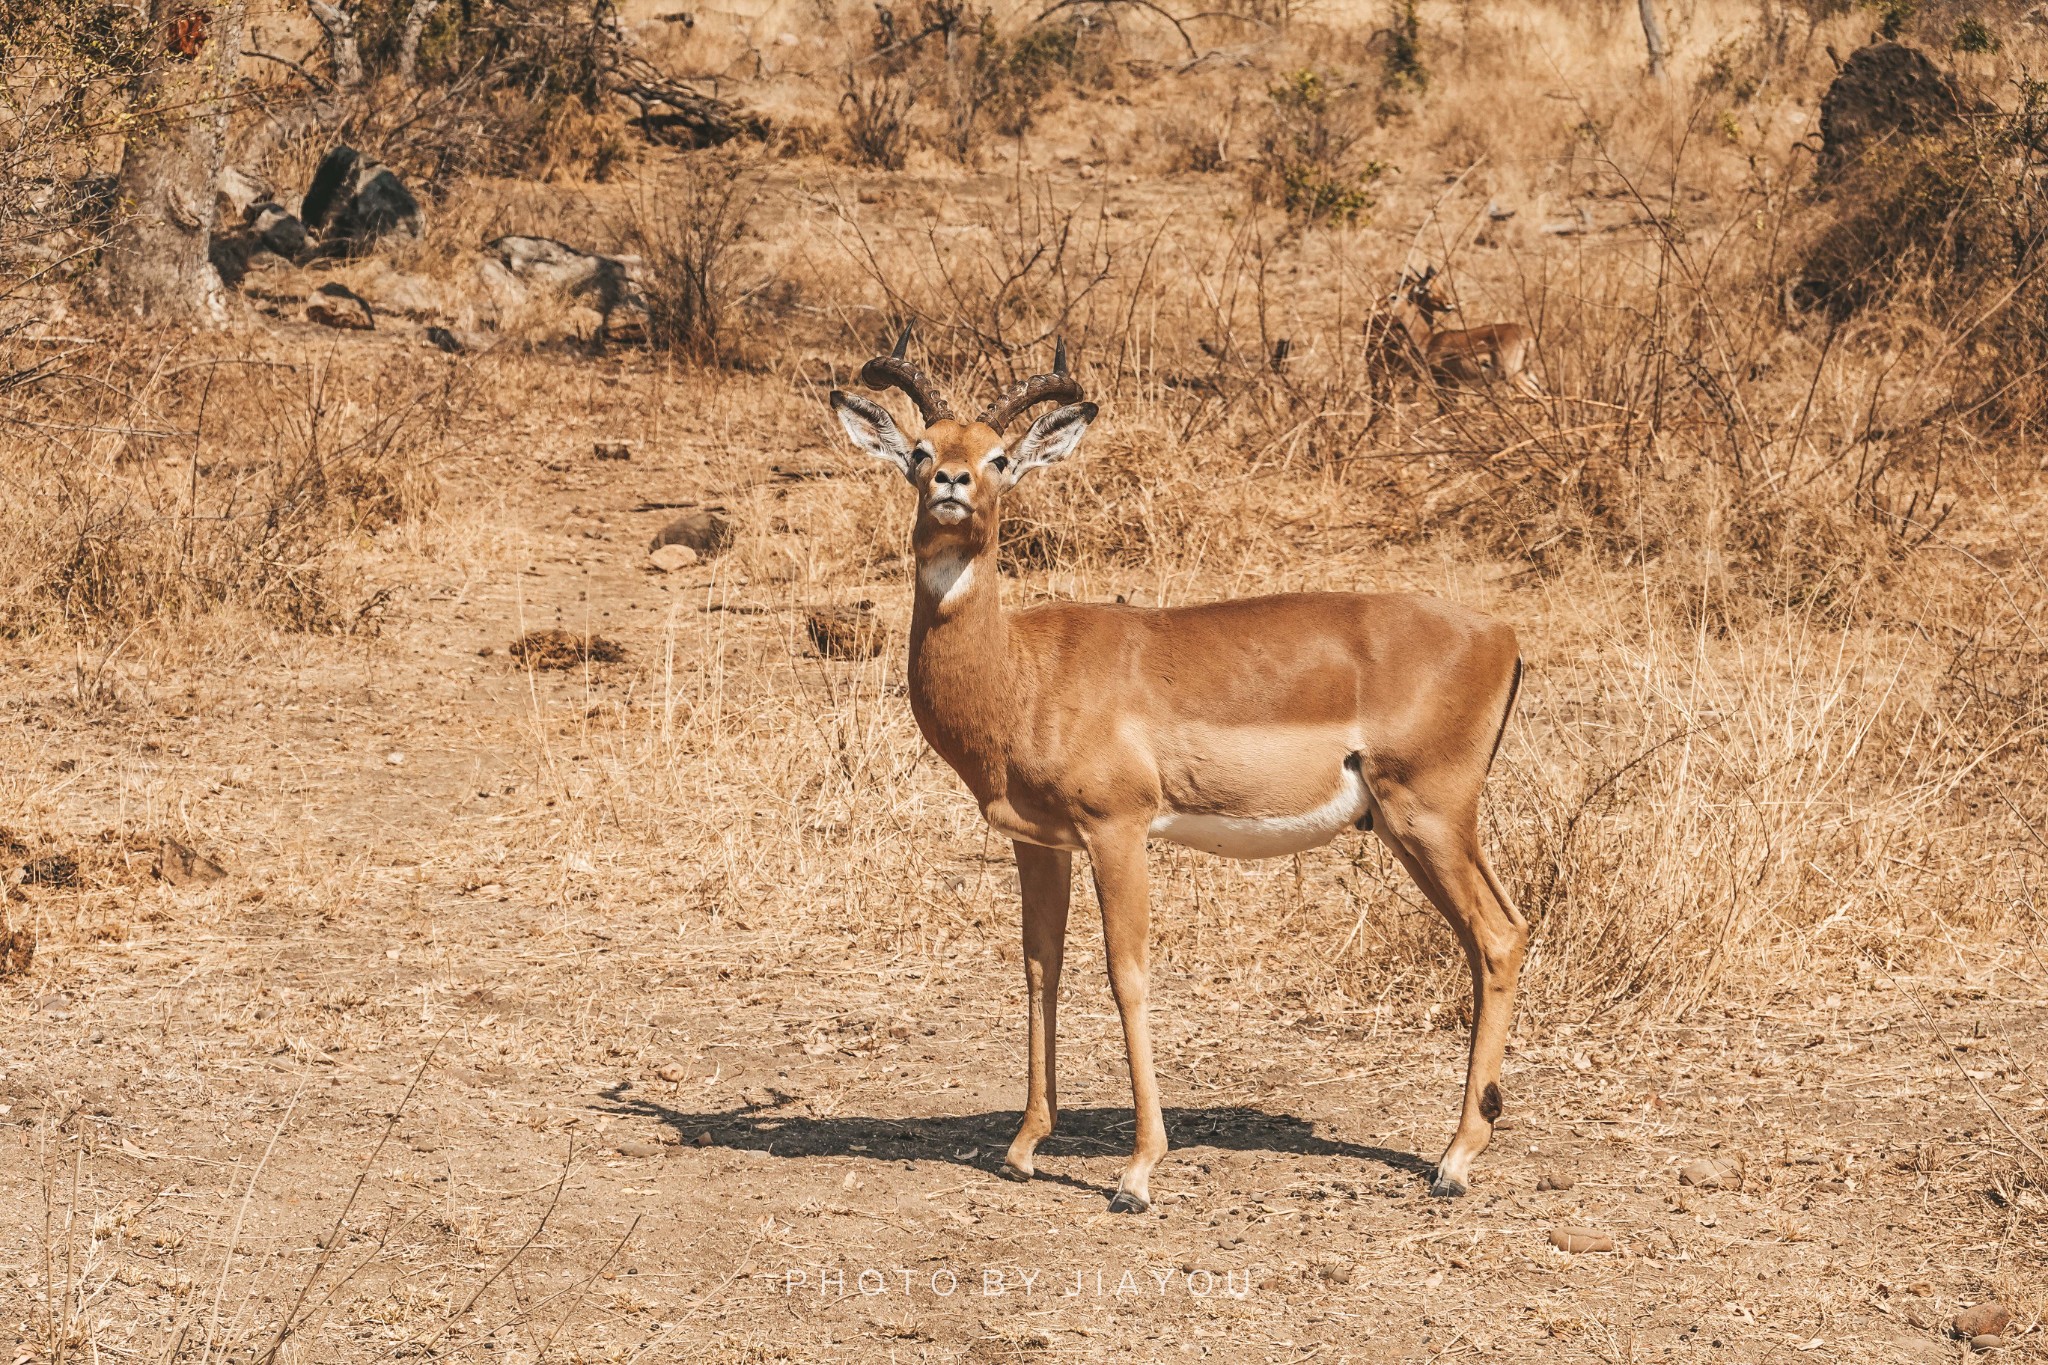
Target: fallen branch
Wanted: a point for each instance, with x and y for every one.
(705, 121)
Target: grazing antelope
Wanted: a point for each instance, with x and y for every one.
(1475, 355)
(1254, 728)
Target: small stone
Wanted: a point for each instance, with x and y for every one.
(342, 308)
(1986, 1319)
(704, 1138)
(670, 558)
(612, 450)
(1578, 1240)
(1556, 1180)
(637, 1149)
(395, 759)
(671, 1073)
(1987, 1341)
(1712, 1173)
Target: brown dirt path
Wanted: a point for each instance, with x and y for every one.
(564, 1111)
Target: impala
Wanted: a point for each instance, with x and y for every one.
(1473, 355)
(1253, 728)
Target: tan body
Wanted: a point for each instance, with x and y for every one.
(1249, 728)
(1474, 357)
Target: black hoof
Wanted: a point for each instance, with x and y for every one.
(1009, 1172)
(1126, 1202)
(1443, 1187)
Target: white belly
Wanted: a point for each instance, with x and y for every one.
(1268, 836)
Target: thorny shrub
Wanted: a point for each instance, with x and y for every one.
(1307, 155)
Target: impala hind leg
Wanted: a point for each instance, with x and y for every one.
(1045, 876)
(1444, 857)
(1123, 886)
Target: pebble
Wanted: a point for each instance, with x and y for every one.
(673, 1074)
(670, 558)
(704, 1138)
(1576, 1240)
(1557, 1180)
(1712, 1173)
(1988, 1341)
(637, 1149)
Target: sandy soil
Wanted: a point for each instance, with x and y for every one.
(411, 1084)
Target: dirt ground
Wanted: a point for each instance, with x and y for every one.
(417, 1079)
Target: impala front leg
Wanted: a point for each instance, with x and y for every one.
(1045, 876)
(1123, 887)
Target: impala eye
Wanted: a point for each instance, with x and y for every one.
(999, 463)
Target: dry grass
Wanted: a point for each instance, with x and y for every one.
(1781, 742)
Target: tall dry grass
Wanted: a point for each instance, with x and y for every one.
(154, 485)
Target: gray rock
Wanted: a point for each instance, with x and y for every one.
(706, 530)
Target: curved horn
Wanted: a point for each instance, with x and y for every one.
(893, 371)
(1057, 387)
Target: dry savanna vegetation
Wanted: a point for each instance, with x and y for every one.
(440, 924)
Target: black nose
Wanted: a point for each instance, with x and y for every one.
(957, 480)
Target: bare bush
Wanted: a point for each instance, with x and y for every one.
(687, 232)
(874, 112)
(1032, 269)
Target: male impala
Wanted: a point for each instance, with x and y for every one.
(1474, 355)
(1252, 729)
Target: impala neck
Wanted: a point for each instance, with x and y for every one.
(963, 688)
(1415, 322)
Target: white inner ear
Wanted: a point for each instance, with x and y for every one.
(881, 440)
(1052, 437)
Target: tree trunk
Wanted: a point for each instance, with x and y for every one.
(409, 38)
(1653, 37)
(155, 263)
(342, 53)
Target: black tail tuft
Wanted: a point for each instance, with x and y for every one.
(1514, 687)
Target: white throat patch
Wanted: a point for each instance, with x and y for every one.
(947, 578)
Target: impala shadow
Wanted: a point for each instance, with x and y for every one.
(979, 1140)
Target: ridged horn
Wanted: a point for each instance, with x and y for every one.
(1057, 387)
(894, 371)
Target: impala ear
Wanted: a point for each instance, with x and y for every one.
(1052, 437)
(870, 427)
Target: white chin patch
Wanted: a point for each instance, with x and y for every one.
(950, 513)
(1268, 836)
(947, 579)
